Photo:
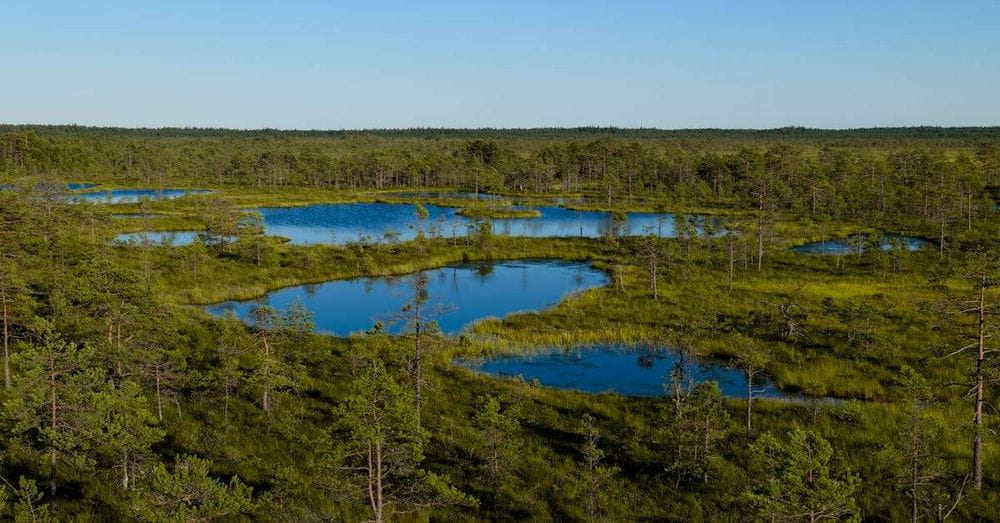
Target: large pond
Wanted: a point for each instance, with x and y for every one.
(135, 195)
(457, 295)
(341, 223)
(622, 369)
(861, 243)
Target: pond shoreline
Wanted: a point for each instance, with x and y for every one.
(341, 307)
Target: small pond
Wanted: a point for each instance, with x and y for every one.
(160, 238)
(855, 244)
(622, 369)
(342, 223)
(76, 186)
(457, 295)
(135, 195)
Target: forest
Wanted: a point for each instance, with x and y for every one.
(844, 285)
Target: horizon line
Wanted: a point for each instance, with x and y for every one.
(6, 125)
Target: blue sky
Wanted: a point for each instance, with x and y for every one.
(331, 65)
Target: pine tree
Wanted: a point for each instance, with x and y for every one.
(799, 480)
(498, 442)
(188, 492)
(385, 445)
(58, 381)
(694, 428)
(594, 476)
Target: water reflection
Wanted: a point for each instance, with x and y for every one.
(637, 370)
(135, 195)
(861, 243)
(469, 292)
(374, 222)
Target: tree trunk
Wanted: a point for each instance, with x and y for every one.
(977, 441)
(52, 422)
(913, 469)
(760, 245)
(656, 293)
(125, 470)
(372, 500)
(378, 481)
(159, 402)
(265, 399)
(969, 209)
(6, 340)
(731, 261)
(941, 240)
(760, 234)
(418, 369)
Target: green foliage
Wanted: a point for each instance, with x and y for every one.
(23, 503)
(799, 481)
(189, 492)
(163, 413)
(595, 479)
(498, 445)
(385, 446)
(696, 422)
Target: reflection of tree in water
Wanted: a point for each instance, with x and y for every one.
(484, 269)
(442, 276)
(613, 226)
(648, 357)
(646, 361)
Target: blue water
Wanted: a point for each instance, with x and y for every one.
(844, 246)
(78, 186)
(458, 295)
(351, 222)
(629, 370)
(161, 238)
(342, 223)
(135, 195)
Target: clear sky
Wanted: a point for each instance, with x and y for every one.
(367, 64)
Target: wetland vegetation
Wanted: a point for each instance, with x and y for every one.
(658, 307)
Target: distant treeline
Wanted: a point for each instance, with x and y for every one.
(941, 175)
(781, 133)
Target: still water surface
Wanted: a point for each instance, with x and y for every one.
(342, 223)
(623, 369)
(458, 295)
(853, 245)
(135, 195)
(161, 238)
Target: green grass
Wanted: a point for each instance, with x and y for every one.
(483, 212)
